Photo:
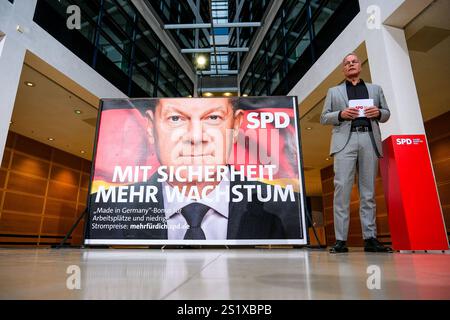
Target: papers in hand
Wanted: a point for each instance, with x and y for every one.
(360, 105)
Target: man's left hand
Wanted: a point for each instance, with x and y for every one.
(372, 112)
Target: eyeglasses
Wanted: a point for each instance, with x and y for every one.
(347, 63)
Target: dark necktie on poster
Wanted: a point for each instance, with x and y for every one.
(194, 214)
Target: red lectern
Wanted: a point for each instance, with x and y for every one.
(414, 210)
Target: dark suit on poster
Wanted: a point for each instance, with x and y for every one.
(246, 220)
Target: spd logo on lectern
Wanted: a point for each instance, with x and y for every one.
(408, 141)
(403, 141)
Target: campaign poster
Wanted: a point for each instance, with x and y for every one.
(197, 171)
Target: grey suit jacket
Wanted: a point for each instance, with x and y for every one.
(336, 101)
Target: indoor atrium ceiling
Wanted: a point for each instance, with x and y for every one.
(217, 31)
(47, 110)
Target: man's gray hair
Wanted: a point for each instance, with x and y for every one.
(349, 54)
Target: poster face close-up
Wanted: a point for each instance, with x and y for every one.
(197, 171)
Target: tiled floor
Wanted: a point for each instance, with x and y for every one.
(222, 274)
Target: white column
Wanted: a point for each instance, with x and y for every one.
(390, 67)
(12, 54)
(11, 62)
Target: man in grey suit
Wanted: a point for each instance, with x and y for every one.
(355, 145)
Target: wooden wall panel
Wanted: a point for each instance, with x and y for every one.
(381, 202)
(31, 148)
(444, 192)
(25, 164)
(23, 203)
(19, 224)
(14, 241)
(10, 140)
(6, 158)
(67, 159)
(26, 183)
(65, 175)
(441, 171)
(437, 128)
(327, 199)
(42, 192)
(438, 136)
(2, 178)
(439, 149)
(62, 191)
(82, 197)
(78, 232)
(327, 186)
(59, 208)
(383, 225)
(86, 166)
(85, 181)
(446, 214)
(56, 225)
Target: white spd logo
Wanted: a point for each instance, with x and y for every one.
(408, 141)
(280, 119)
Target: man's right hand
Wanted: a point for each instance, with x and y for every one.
(349, 114)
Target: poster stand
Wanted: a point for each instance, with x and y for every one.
(62, 244)
(85, 213)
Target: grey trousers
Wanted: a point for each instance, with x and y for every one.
(358, 152)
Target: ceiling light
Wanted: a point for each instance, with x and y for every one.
(82, 151)
(308, 128)
(327, 159)
(245, 95)
(208, 94)
(201, 61)
(189, 96)
(50, 139)
(78, 111)
(227, 94)
(29, 84)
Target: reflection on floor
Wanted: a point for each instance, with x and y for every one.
(221, 274)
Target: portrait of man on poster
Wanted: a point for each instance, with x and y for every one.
(193, 140)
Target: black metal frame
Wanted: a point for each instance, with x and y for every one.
(89, 49)
(181, 13)
(248, 13)
(318, 42)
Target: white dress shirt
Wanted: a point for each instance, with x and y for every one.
(215, 221)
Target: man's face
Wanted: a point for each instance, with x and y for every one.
(351, 66)
(193, 131)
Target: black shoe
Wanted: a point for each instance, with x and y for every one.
(373, 245)
(339, 247)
